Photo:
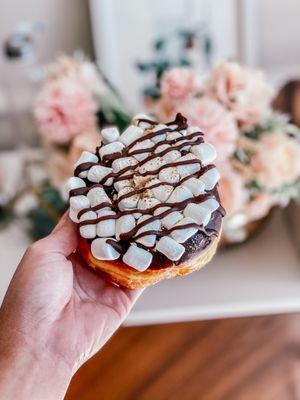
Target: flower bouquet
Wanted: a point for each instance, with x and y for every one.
(73, 103)
(258, 149)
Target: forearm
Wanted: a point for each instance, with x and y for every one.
(25, 375)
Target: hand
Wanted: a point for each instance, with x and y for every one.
(57, 309)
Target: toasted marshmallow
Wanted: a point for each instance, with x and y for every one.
(148, 240)
(107, 227)
(131, 134)
(145, 144)
(170, 248)
(124, 162)
(103, 251)
(210, 178)
(204, 152)
(196, 186)
(78, 203)
(142, 124)
(111, 148)
(188, 169)
(85, 157)
(98, 196)
(137, 258)
(124, 224)
(71, 184)
(110, 134)
(130, 201)
(179, 194)
(170, 175)
(171, 219)
(88, 231)
(182, 235)
(199, 214)
(151, 165)
(210, 204)
(97, 173)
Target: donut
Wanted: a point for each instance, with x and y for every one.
(146, 202)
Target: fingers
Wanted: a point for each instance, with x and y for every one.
(64, 237)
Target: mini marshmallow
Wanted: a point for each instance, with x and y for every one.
(188, 169)
(148, 240)
(161, 137)
(210, 178)
(160, 210)
(192, 129)
(151, 165)
(88, 231)
(124, 162)
(171, 219)
(173, 135)
(170, 248)
(161, 148)
(179, 194)
(130, 201)
(204, 152)
(182, 235)
(137, 258)
(73, 215)
(110, 134)
(196, 186)
(170, 175)
(145, 144)
(119, 185)
(199, 214)
(85, 157)
(161, 192)
(78, 203)
(147, 202)
(103, 251)
(210, 204)
(124, 224)
(97, 173)
(98, 196)
(71, 184)
(144, 125)
(171, 156)
(107, 227)
(131, 134)
(111, 148)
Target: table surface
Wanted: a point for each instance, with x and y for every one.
(261, 276)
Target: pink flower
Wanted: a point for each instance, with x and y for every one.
(259, 206)
(242, 91)
(275, 160)
(177, 84)
(231, 189)
(64, 108)
(216, 122)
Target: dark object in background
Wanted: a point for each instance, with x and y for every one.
(288, 101)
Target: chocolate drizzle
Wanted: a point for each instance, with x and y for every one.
(129, 172)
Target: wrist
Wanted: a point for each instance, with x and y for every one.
(27, 373)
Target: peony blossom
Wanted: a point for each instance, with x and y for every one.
(231, 189)
(276, 160)
(242, 91)
(216, 122)
(177, 84)
(64, 108)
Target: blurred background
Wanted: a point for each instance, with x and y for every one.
(68, 68)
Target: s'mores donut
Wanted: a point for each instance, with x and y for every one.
(146, 202)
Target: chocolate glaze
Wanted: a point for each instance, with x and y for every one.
(193, 245)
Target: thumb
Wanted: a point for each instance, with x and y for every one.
(64, 237)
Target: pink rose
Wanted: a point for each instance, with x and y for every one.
(231, 189)
(242, 91)
(276, 160)
(216, 122)
(177, 84)
(64, 108)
